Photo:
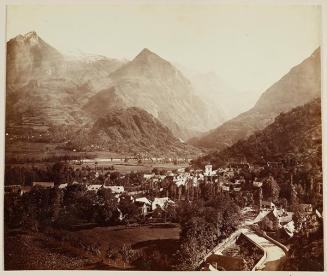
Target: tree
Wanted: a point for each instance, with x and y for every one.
(271, 189)
(127, 207)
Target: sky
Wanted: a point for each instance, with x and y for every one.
(248, 46)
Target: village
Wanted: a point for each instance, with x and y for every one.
(142, 198)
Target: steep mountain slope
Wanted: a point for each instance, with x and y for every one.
(295, 134)
(45, 87)
(131, 130)
(155, 85)
(297, 87)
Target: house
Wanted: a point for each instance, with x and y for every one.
(63, 186)
(271, 164)
(43, 184)
(195, 181)
(289, 229)
(161, 202)
(115, 189)
(319, 215)
(143, 200)
(180, 180)
(93, 187)
(25, 189)
(285, 217)
(225, 188)
(144, 205)
(257, 184)
(208, 170)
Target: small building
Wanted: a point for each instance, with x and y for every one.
(144, 204)
(225, 188)
(161, 202)
(63, 186)
(257, 184)
(25, 189)
(47, 185)
(143, 200)
(208, 170)
(93, 187)
(289, 229)
(115, 189)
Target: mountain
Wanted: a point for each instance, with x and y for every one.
(218, 94)
(294, 135)
(29, 57)
(132, 130)
(47, 88)
(300, 85)
(155, 85)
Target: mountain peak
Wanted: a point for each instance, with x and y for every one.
(31, 34)
(146, 55)
(30, 37)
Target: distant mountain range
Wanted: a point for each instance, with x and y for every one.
(299, 86)
(44, 86)
(96, 95)
(294, 135)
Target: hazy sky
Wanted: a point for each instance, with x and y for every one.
(249, 46)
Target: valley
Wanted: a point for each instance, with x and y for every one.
(135, 164)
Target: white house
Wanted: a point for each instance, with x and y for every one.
(63, 186)
(257, 184)
(115, 189)
(161, 202)
(93, 187)
(144, 200)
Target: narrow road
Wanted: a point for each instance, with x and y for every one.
(273, 252)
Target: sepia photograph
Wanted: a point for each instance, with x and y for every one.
(163, 136)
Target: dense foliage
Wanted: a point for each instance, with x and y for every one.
(204, 224)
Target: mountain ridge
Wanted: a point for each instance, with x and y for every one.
(300, 85)
(294, 135)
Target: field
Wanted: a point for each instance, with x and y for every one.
(30, 154)
(137, 237)
(132, 165)
(46, 252)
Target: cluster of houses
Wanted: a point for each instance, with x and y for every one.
(158, 190)
(280, 222)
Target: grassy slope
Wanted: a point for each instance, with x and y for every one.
(45, 252)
